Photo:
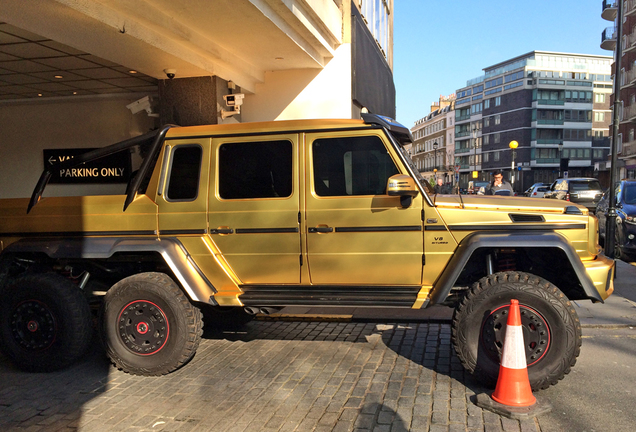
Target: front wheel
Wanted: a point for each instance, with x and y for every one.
(148, 325)
(551, 328)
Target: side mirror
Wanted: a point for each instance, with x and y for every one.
(403, 186)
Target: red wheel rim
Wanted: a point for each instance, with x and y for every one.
(143, 327)
(536, 333)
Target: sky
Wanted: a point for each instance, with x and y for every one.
(439, 45)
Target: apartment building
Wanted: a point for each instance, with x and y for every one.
(554, 105)
(433, 146)
(626, 142)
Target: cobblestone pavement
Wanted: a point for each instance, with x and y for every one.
(269, 376)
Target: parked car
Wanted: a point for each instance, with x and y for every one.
(625, 234)
(579, 190)
(529, 191)
(538, 191)
(477, 187)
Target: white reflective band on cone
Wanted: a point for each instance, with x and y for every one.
(514, 356)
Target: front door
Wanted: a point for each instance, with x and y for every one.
(356, 233)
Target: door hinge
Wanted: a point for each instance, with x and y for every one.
(422, 215)
(301, 260)
(423, 259)
(298, 217)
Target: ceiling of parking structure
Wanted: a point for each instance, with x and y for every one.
(238, 40)
(33, 66)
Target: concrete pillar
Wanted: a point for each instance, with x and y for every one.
(191, 101)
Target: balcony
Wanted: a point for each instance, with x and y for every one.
(550, 122)
(629, 149)
(550, 102)
(629, 7)
(629, 42)
(462, 134)
(556, 141)
(462, 150)
(628, 78)
(610, 10)
(608, 38)
(629, 113)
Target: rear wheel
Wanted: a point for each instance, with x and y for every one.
(45, 322)
(551, 328)
(148, 325)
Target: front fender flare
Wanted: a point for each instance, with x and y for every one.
(524, 239)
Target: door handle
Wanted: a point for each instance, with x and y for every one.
(320, 229)
(222, 231)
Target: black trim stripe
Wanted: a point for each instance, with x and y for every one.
(435, 228)
(183, 232)
(517, 227)
(79, 233)
(266, 230)
(380, 228)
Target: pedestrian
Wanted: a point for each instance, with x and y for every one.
(499, 186)
(441, 188)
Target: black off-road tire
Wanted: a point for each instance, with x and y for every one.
(148, 325)
(45, 322)
(551, 328)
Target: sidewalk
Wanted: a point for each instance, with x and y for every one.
(619, 310)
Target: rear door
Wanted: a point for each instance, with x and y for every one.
(254, 207)
(356, 233)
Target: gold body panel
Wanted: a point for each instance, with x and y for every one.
(373, 240)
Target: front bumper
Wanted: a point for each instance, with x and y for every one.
(601, 271)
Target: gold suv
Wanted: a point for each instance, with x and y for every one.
(227, 221)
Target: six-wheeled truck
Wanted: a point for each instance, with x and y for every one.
(228, 221)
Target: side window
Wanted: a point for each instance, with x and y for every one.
(351, 166)
(255, 170)
(185, 170)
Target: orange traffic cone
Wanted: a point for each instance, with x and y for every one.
(513, 397)
(513, 384)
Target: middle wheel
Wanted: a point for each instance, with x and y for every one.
(148, 325)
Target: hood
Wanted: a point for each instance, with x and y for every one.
(505, 203)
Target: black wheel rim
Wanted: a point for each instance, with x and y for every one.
(536, 334)
(143, 327)
(33, 325)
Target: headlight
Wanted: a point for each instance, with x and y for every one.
(630, 219)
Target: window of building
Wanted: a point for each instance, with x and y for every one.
(599, 116)
(497, 119)
(497, 138)
(377, 15)
(255, 170)
(185, 170)
(495, 156)
(486, 121)
(487, 104)
(486, 139)
(498, 101)
(351, 166)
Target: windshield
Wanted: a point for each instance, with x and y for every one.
(585, 185)
(629, 193)
(418, 176)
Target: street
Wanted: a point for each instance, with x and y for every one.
(329, 376)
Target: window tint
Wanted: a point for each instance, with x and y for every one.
(255, 170)
(351, 166)
(585, 185)
(183, 182)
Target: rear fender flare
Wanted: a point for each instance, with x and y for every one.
(192, 279)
